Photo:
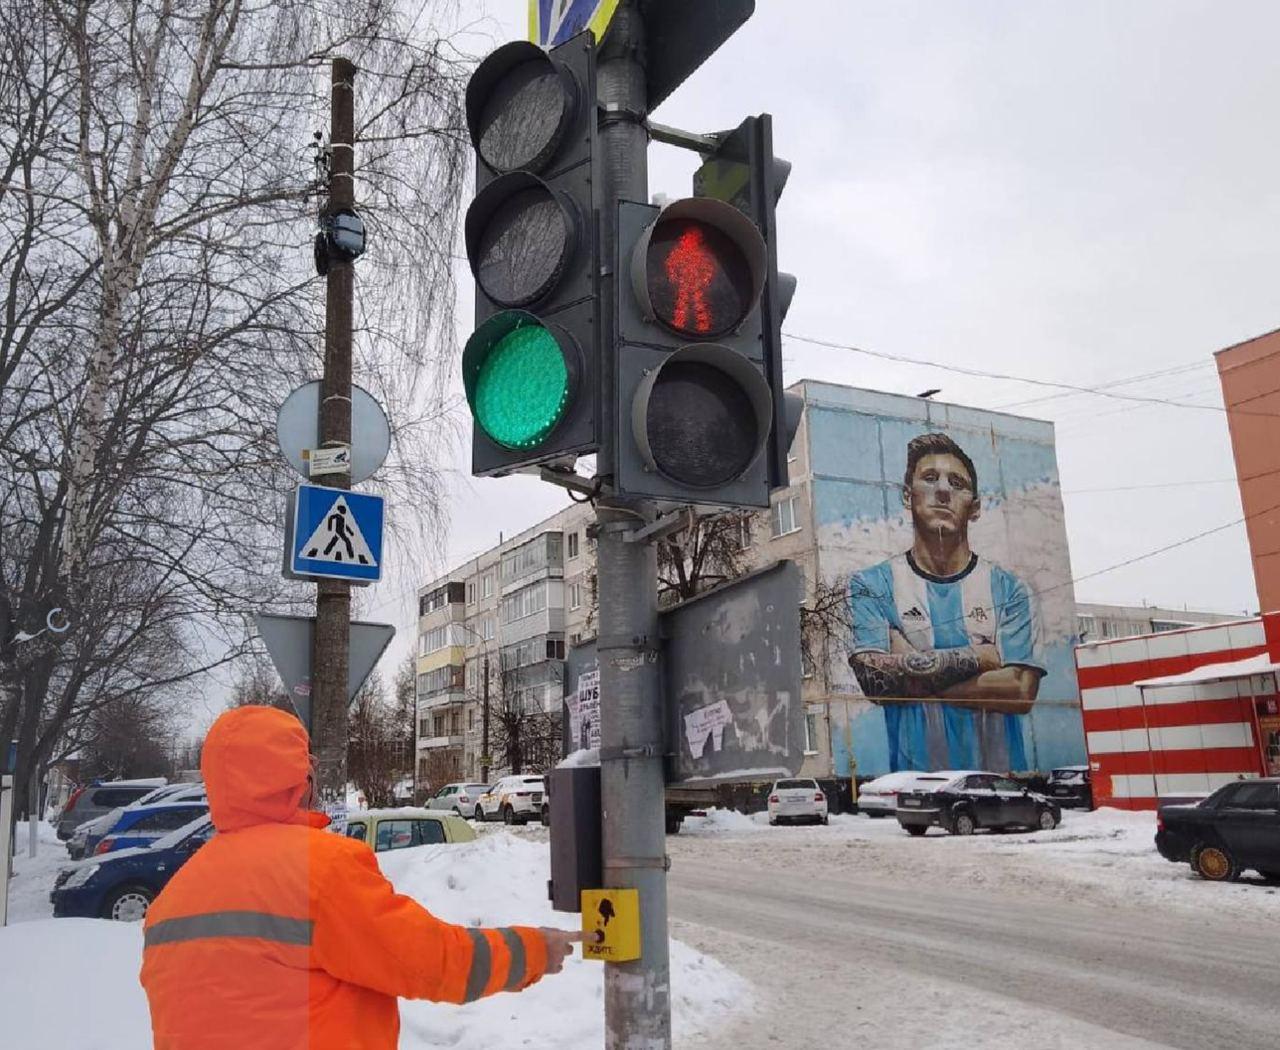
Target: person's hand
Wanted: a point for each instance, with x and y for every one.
(559, 946)
(988, 658)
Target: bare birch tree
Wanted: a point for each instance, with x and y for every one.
(157, 303)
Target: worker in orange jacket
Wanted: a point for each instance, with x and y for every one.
(280, 935)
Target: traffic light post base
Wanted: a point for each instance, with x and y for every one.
(633, 781)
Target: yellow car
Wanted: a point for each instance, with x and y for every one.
(387, 829)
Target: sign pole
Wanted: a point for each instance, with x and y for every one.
(333, 597)
(637, 992)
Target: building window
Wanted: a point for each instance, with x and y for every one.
(471, 718)
(525, 602)
(743, 536)
(424, 727)
(486, 585)
(486, 628)
(811, 734)
(1087, 627)
(575, 596)
(471, 593)
(573, 545)
(575, 638)
(594, 584)
(784, 516)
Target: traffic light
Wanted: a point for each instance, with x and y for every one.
(694, 407)
(530, 369)
(744, 172)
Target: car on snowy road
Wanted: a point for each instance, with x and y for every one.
(1234, 829)
(879, 797)
(123, 884)
(797, 801)
(388, 829)
(513, 800)
(459, 797)
(86, 837)
(966, 802)
(98, 799)
(1071, 787)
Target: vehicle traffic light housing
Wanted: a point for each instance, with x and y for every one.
(744, 172)
(693, 406)
(530, 369)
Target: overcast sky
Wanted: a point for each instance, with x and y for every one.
(1081, 192)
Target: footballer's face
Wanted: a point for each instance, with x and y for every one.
(941, 497)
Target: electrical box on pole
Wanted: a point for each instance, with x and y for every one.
(530, 369)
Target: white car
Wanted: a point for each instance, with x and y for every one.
(459, 797)
(514, 800)
(797, 800)
(879, 797)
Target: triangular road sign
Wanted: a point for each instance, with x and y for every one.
(338, 539)
(290, 641)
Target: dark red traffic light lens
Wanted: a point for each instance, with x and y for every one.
(699, 282)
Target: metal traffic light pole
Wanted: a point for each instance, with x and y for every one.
(638, 993)
(333, 597)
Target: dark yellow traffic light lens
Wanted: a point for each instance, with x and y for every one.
(522, 388)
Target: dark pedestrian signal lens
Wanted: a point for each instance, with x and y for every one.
(523, 118)
(699, 282)
(701, 425)
(524, 247)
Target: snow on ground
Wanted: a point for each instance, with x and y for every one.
(500, 879)
(33, 876)
(1108, 855)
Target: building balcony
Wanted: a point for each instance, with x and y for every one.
(439, 700)
(430, 743)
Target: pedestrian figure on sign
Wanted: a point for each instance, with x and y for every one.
(339, 531)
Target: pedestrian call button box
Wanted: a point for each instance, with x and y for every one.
(611, 925)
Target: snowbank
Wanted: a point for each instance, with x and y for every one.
(497, 880)
(720, 821)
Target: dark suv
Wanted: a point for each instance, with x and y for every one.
(1235, 828)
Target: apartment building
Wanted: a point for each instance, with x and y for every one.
(1098, 623)
(521, 604)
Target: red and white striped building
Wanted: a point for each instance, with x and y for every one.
(1177, 714)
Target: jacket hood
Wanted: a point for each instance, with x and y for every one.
(255, 763)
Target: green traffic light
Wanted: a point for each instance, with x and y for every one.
(521, 388)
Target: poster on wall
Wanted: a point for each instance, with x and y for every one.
(944, 528)
(584, 712)
(1269, 735)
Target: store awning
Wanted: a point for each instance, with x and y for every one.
(1223, 672)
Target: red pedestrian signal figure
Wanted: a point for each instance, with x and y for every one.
(690, 269)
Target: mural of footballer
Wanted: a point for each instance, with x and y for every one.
(945, 640)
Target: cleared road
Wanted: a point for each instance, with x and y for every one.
(841, 960)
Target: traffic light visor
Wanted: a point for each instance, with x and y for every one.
(520, 377)
(699, 269)
(702, 417)
(520, 105)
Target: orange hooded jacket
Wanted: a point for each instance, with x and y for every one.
(282, 936)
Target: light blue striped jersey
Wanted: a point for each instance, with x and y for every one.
(981, 605)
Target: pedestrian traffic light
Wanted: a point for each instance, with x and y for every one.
(694, 409)
(530, 368)
(744, 172)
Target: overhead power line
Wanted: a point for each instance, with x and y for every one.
(979, 373)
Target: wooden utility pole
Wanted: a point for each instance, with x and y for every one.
(333, 597)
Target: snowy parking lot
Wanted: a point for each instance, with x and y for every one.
(735, 985)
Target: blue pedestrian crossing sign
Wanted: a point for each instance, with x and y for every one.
(337, 534)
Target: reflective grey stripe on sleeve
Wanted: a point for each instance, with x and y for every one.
(481, 966)
(515, 974)
(260, 924)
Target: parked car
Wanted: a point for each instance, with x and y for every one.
(87, 836)
(1235, 828)
(1071, 786)
(796, 801)
(965, 802)
(879, 797)
(98, 799)
(514, 799)
(459, 797)
(123, 884)
(140, 828)
(387, 829)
